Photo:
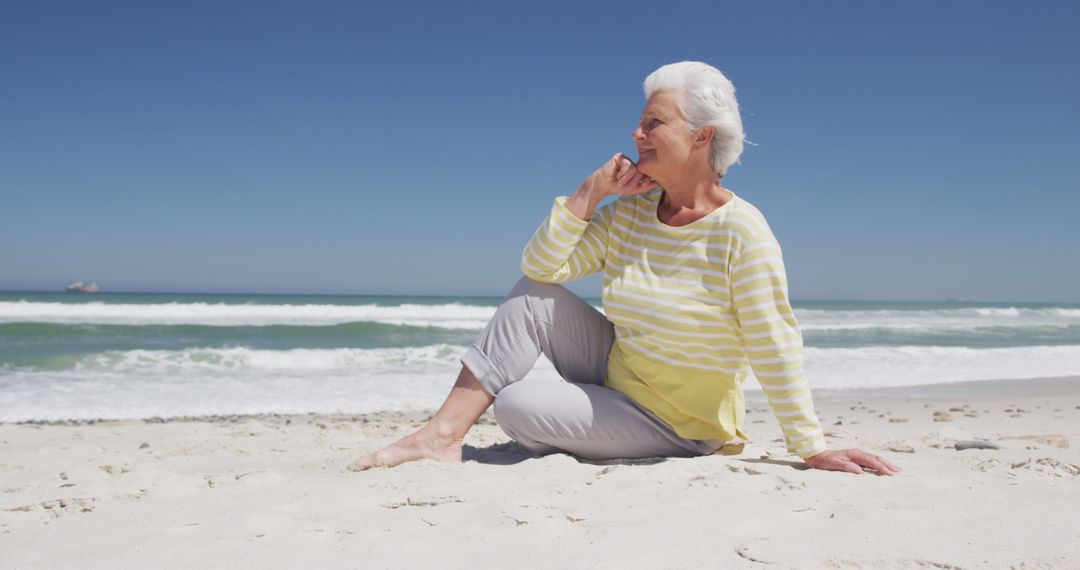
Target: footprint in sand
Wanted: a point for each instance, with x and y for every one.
(1033, 466)
(57, 508)
(988, 465)
(743, 469)
(899, 447)
(1047, 466)
(786, 485)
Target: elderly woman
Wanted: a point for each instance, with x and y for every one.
(695, 294)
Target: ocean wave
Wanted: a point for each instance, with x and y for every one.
(931, 327)
(451, 315)
(829, 367)
(146, 383)
(890, 366)
(1010, 313)
(226, 360)
(473, 317)
(963, 322)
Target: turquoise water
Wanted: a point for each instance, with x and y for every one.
(848, 324)
(133, 355)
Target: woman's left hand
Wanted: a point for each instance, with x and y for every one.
(852, 461)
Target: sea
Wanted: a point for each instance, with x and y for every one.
(139, 355)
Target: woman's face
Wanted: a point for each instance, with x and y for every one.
(663, 137)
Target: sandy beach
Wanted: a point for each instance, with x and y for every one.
(273, 491)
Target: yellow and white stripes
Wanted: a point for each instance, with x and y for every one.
(773, 340)
(692, 307)
(566, 247)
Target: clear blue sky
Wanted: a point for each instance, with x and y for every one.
(904, 151)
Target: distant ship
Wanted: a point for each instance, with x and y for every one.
(80, 287)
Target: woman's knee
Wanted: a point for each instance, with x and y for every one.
(525, 291)
(517, 417)
(511, 409)
(529, 286)
(532, 298)
(542, 299)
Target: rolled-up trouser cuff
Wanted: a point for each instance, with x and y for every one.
(484, 370)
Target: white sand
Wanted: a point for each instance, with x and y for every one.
(273, 491)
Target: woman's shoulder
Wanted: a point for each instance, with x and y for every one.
(745, 215)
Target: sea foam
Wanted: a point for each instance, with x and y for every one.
(472, 317)
(451, 315)
(147, 383)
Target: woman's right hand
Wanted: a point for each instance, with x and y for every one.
(619, 176)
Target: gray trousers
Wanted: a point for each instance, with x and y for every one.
(579, 415)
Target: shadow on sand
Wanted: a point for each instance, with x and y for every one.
(512, 452)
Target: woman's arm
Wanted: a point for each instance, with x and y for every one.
(572, 241)
(566, 247)
(774, 346)
(619, 175)
(773, 341)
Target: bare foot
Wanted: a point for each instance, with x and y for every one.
(424, 444)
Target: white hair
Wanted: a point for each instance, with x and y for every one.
(708, 100)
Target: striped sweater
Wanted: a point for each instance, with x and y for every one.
(694, 308)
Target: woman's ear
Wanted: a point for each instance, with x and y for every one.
(704, 136)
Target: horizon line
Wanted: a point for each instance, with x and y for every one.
(961, 300)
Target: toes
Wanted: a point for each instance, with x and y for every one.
(362, 464)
